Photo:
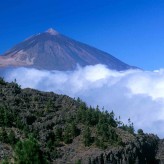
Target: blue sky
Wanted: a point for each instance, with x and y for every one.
(131, 30)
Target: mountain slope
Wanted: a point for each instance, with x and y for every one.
(53, 51)
(66, 131)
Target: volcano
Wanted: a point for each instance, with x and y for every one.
(51, 50)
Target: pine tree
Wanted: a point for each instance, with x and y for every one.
(27, 152)
(11, 137)
(73, 130)
(67, 135)
(3, 135)
(87, 140)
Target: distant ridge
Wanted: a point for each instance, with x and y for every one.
(51, 50)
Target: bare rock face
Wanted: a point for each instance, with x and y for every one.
(53, 51)
(160, 153)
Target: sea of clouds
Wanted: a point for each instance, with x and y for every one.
(134, 94)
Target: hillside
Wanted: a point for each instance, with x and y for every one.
(43, 127)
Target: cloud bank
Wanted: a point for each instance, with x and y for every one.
(134, 94)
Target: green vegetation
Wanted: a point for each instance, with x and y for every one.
(28, 152)
(140, 132)
(87, 140)
(7, 136)
(2, 82)
(129, 127)
(6, 117)
(54, 122)
(70, 132)
(102, 123)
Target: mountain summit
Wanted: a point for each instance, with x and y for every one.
(51, 31)
(51, 50)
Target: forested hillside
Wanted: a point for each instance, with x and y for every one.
(43, 127)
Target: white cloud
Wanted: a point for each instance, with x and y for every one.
(134, 93)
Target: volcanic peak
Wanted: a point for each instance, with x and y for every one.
(52, 31)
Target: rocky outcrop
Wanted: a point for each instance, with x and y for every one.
(142, 150)
(160, 153)
(5, 151)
